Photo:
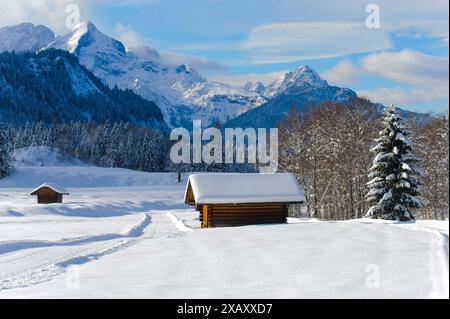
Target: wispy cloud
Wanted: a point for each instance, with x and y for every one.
(427, 76)
(409, 67)
(128, 36)
(437, 28)
(421, 78)
(412, 97)
(132, 38)
(290, 42)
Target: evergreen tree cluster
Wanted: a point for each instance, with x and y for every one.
(52, 85)
(5, 160)
(108, 145)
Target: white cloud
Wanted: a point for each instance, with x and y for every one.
(49, 13)
(405, 67)
(343, 73)
(422, 78)
(406, 96)
(241, 79)
(409, 67)
(290, 42)
(426, 77)
(128, 36)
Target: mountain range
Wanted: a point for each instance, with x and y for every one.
(301, 88)
(179, 91)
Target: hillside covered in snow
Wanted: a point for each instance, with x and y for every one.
(123, 234)
(42, 156)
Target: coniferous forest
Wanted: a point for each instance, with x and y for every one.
(52, 85)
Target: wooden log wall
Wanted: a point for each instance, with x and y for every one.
(48, 196)
(242, 214)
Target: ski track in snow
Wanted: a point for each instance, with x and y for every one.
(12, 246)
(440, 277)
(54, 258)
(179, 223)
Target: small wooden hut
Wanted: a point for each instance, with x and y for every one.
(48, 194)
(242, 199)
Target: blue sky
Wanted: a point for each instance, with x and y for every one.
(404, 62)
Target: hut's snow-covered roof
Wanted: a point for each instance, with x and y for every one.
(244, 188)
(53, 187)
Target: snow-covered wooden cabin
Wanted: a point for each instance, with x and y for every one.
(48, 194)
(242, 199)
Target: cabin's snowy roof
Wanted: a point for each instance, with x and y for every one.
(54, 187)
(244, 188)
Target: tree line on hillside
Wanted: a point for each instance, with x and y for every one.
(5, 159)
(119, 144)
(107, 145)
(329, 148)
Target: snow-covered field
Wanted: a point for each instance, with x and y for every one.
(125, 234)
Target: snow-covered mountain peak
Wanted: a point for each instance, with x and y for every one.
(25, 37)
(304, 75)
(257, 87)
(84, 27)
(273, 88)
(86, 36)
(179, 90)
(304, 78)
(304, 69)
(85, 31)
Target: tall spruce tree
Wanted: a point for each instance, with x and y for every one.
(5, 160)
(394, 186)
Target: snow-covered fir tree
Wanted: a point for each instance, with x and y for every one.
(394, 186)
(5, 160)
